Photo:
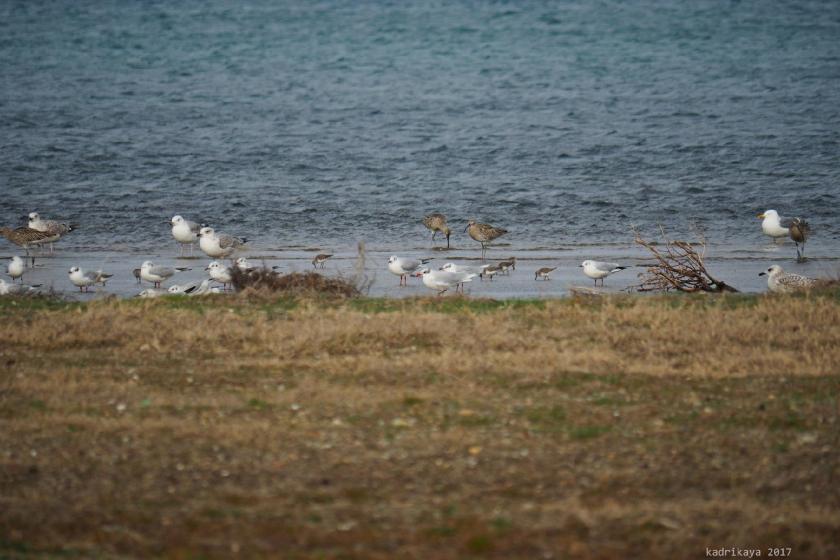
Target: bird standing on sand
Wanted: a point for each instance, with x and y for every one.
(773, 225)
(218, 245)
(16, 268)
(600, 270)
(320, 260)
(85, 279)
(437, 223)
(799, 231)
(544, 272)
(220, 273)
(405, 267)
(442, 280)
(484, 234)
(781, 282)
(49, 226)
(185, 232)
(25, 237)
(150, 272)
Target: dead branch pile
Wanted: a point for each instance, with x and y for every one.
(264, 281)
(678, 266)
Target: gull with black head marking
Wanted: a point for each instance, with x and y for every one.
(484, 234)
(600, 270)
(83, 279)
(156, 274)
(220, 273)
(405, 267)
(437, 223)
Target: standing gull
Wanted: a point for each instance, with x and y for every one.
(774, 226)
(474, 270)
(600, 270)
(150, 272)
(16, 268)
(185, 232)
(49, 226)
(781, 282)
(85, 279)
(220, 273)
(218, 245)
(437, 223)
(405, 267)
(544, 272)
(799, 231)
(484, 234)
(442, 280)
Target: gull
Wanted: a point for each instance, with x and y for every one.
(320, 260)
(49, 226)
(242, 264)
(600, 270)
(484, 234)
(85, 279)
(184, 231)
(781, 282)
(544, 272)
(220, 273)
(799, 231)
(179, 290)
(204, 288)
(774, 226)
(17, 289)
(152, 293)
(437, 223)
(404, 267)
(16, 268)
(442, 280)
(452, 267)
(150, 272)
(25, 237)
(217, 245)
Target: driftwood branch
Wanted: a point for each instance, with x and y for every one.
(677, 265)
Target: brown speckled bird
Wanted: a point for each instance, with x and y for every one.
(319, 260)
(484, 234)
(544, 272)
(437, 223)
(799, 231)
(25, 238)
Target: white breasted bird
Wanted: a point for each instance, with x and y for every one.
(600, 270)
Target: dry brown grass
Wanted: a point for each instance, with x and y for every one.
(615, 429)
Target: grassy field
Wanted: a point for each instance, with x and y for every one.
(451, 428)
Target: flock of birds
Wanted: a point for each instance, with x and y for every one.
(40, 232)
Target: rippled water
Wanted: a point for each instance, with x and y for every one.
(319, 124)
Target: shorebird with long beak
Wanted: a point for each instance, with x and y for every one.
(55, 227)
(405, 267)
(774, 225)
(218, 245)
(320, 260)
(16, 268)
(437, 223)
(781, 282)
(85, 279)
(156, 274)
(799, 231)
(25, 237)
(544, 272)
(600, 270)
(185, 232)
(484, 234)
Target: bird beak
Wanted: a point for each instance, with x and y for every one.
(762, 273)
(760, 216)
(206, 268)
(580, 266)
(466, 228)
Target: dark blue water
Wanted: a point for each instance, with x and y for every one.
(322, 123)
